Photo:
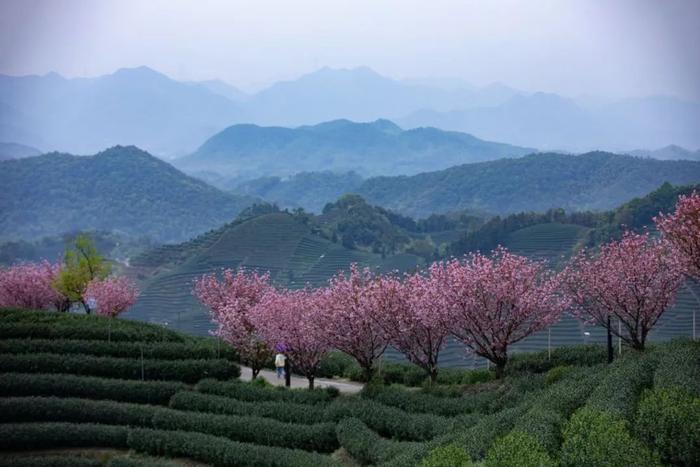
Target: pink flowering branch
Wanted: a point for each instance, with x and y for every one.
(30, 285)
(112, 296)
(230, 301)
(633, 280)
(682, 229)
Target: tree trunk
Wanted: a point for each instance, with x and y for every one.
(86, 307)
(311, 381)
(433, 375)
(255, 372)
(368, 373)
(500, 367)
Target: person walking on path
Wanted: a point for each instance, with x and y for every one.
(280, 360)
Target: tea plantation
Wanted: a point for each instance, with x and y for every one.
(90, 391)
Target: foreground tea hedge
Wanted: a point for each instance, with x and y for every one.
(196, 446)
(188, 371)
(88, 387)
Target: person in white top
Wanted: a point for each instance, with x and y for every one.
(280, 360)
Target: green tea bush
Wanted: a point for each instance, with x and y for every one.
(202, 349)
(540, 362)
(364, 445)
(622, 384)
(264, 431)
(29, 436)
(252, 393)
(594, 438)
(477, 439)
(461, 376)
(50, 461)
(402, 373)
(668, 420)
(556, 374)
(123, 461)
(334, 364)
(518, 449)
(54, 409)
(88, 387)
(449, 455)
(421, 402)
(188, 371)
(679, 366)
(389, 421)
(282, 411)
(215, 450)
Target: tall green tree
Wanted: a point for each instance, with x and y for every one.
(81, 264)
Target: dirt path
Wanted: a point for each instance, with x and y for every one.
(345, 386)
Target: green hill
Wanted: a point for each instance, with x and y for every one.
(278, 242)
(538, 182)
(91, 391)
(122, 190)
(376, 148)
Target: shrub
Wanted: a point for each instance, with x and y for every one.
(334, 364)
(518, 449)
(51, 461)
(54, 409)
(28, 436)
(401, 373)
(140, 462)
(319, 437)
(89, 387)
(252, 393)
(622, 384)
(282, 411)
(668, 420)
(540, 362)
(202, 349)
(449, 455)
(428, 403)
(477, 439)
(389, 421)
(594, 438)
(364, 445)
(215, 450)
(556, 374)
(88, 327)
(188, 371)
(679, 366)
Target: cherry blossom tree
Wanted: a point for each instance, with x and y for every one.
(414, 326)
(493, 302)
(633, 280)
(682, 229)
(30, 285)
(293, 320)
(352, 306)
(230, 301)
(113, 295)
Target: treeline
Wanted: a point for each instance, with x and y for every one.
(635, 215)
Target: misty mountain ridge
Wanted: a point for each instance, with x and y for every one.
(16, 151)
(122, 189)
(670, 152)
(244, 152)
(169, 118)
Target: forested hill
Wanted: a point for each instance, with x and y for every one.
(122, 189)
(376, 148)
(538, 182)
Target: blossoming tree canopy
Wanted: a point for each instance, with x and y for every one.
(493, 302)
(633, 280)
(415, 327)
(113, 295)
(682, 229)
(353, 306)
(230, 300)
(30, 285)
(292, 320)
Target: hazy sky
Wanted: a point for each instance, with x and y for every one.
(607, 47)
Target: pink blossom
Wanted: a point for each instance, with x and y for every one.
(682, 229)
(293, 320)
(352, 308)
(30, 285)
(489, 303)
(230, 301)
(112, 296)
(633, 280)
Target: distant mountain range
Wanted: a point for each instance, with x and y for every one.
(592, 181)
(170, 118)
(671, 152)
(16, 151)
(377, 148)
(123, 190)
